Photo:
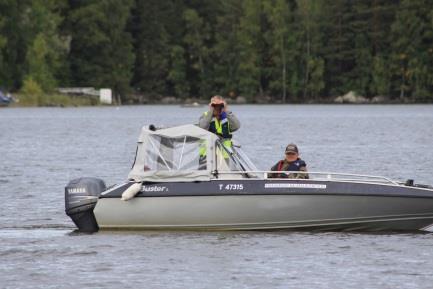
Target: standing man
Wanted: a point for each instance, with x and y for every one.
(220, 120)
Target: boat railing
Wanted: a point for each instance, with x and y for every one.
(315, 176)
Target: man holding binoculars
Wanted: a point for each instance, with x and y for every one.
(219, 120)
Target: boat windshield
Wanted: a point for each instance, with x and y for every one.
(243, 158)
(174, 153)
(233, 159)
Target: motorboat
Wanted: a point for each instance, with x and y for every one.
(5, 99)
(184, 178)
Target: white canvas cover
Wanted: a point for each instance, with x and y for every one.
(178, 154)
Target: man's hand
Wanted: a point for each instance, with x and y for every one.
(225, 106)
(223, 115)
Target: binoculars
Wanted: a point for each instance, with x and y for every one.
(217, 105)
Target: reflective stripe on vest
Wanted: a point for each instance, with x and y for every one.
(219, 125)
(227, 142)
(220, 128)
(202, 148)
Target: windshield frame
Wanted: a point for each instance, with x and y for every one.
(238, 160)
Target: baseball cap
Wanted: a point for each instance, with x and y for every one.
(291, 148)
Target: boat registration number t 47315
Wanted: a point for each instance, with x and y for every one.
(231, 187)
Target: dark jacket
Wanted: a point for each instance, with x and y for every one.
(296, 166)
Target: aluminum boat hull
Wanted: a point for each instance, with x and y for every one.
(377, 208)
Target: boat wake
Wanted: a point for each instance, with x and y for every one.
(38, 227)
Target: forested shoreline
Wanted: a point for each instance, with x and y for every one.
(285, 51)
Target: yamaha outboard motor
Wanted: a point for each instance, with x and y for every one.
(81, 196)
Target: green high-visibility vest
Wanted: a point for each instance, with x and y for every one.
(219, 128)
(227, 142)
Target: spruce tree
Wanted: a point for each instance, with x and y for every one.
(151, 45)
(382, 15)
(309, 22)
(46, 52)
(337, 46)
(412, 38)
(226, 51)
(250, 44)
(359, 23)
(177, 74)
(197, 33)
(15, 30)
(3, 43)
(101, 49)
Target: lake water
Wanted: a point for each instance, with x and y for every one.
(41, 149)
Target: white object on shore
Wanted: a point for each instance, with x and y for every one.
(105, 96)
(130, 192)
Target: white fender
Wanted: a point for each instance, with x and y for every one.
(130, 192)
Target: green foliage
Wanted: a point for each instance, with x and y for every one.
(282, 43)
(3, 42)
(101, 49)
(31, 91)
(316, 68)
(15, 31)
(250, 43)
(196, 35)
(310, 39)
(148, 26)
(46, 50)
(177, 74)
(380, 76)
(226, 50)
(337, 46)
(38, 68)
(31, 94)
(291, 50)
(412, 35)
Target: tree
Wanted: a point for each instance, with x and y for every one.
(151, 45)
(412, 36)
(31, 42)
(3, 42)
(361, 52)
(38, 68)
(177, 74)
(380, 83)
(225, 53)
(282, 39)
(336, 46)
(250, 44)
(46, 51)
(196, 34)
(101, 49)
(290, 50)
(17, 36)
(309, 19)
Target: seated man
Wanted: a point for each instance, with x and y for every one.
(291, 162)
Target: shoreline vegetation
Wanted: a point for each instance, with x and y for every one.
(253, 51)
(62, 100)
(51, 100)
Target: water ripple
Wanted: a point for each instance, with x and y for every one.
(43, 148)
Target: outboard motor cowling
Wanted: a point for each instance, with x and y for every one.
(81, 196)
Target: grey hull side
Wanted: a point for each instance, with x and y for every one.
(262, 212)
